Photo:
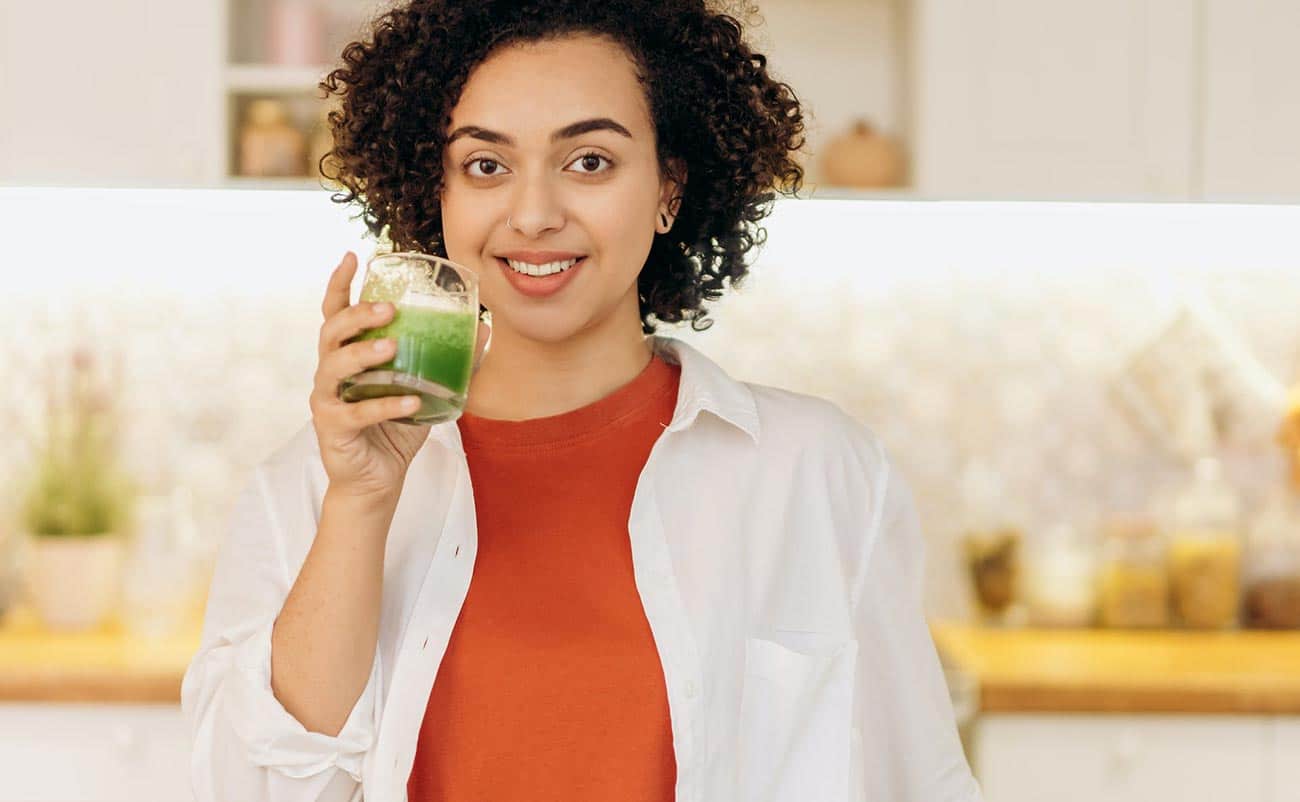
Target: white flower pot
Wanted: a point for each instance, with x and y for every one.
(73, 581)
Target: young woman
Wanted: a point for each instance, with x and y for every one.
(620, 574)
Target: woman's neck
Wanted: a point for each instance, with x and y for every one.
(521, 378)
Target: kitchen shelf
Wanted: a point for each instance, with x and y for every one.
(255, 69)
(821, 194)
(273, 182)
(816, 192)
(252, 46)
(272, 78)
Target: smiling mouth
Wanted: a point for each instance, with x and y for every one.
(540, 271)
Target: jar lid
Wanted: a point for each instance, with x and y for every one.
(267, 111)
(1278, 521)
(1209, 500)
(1131, 527)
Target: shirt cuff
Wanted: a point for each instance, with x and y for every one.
(275, 739)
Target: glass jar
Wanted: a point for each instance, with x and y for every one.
(991, 545)
(9, 570)
(993, 561)
(1205, 550)
(1271, 571)
(1060, 581)
(1133, 580)
(269, 144)
(158, 578)
(11, 550)
(295, 32)
(1288, 436)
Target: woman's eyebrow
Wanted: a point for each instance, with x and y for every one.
(567, 132)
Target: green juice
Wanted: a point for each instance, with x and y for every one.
(434, 360)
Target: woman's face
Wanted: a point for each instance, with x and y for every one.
(519, 184)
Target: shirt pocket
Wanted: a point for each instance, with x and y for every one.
(796, 718)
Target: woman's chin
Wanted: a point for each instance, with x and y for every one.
(550, 326)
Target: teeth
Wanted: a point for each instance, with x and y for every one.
(541, 270)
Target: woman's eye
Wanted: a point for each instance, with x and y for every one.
(487, 168)
(590, 163)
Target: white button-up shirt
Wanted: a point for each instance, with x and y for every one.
(778, 559)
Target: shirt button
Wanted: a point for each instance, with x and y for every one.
(690, 689)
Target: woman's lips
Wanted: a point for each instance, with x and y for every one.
(540, 286)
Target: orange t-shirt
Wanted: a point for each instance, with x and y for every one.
(551, 687)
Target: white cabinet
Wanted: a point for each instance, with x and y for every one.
(120, 93)
(1284, 775)
(93, 753)
(1107, 100)
(1054, 99)
(1252, 101)
(1137, 758)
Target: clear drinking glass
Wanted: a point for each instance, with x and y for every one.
(435, 326)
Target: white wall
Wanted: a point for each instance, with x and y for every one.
(129, 92)
(843, 59)
(109, 93)
(1251, 116)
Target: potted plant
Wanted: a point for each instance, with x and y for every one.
(78, 502)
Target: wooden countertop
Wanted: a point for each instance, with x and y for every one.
(1016, 670)
(1166, 671)
(106, 665)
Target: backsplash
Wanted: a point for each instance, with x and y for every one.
(950, 366)
(1011, 376)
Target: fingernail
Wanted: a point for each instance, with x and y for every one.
(382, 308)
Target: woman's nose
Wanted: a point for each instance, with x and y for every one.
(535, 209)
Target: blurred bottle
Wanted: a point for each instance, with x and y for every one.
(1288, 435)
(1205, 549)
(10, 571)
(863, 157)
(1133, 580)
(159, 577)
(1271, 572)
(991, 543)
(295, 33)
(269, 144)
(1060, 582)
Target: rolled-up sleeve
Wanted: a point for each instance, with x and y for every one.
(906, 736)
(246, 746)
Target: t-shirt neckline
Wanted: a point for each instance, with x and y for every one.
(656, 378)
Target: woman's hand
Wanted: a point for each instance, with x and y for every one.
(365, 453)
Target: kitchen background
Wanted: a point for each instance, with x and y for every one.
(1089, 393)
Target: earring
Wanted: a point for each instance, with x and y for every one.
(664, 222)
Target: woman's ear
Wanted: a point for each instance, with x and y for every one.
(674, 186)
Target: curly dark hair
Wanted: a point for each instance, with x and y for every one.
(712, 100)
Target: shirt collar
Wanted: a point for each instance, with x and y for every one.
(704, 386)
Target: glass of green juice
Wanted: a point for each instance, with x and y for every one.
(435, 326)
